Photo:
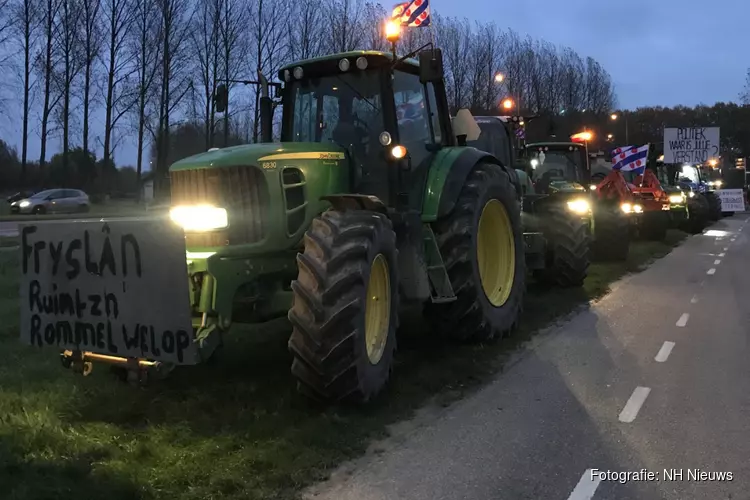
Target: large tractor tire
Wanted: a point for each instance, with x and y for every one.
(697, 217)
(611, 235)
(655, 225)
(481, 242)
(345, 309)
(714, 206)
(568, 247)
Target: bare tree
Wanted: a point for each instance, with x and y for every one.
(745, 94)
(175, 26)
(232, 30)
(120, 94)
(47, 66)
(373, 36)
(205, 40)
(307, 41)
(26, 24)
(91, 34)
(144, 48)
(344, 25)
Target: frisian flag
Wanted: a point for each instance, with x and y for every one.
(415, 13)
(630, 158)
(520, 133)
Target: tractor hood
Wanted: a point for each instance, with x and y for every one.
(253, 154)
(565, 187)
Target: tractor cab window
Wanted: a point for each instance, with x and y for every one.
(344, 109)
(556, 166)
(494, 139)
(412, 115)
(689, 174)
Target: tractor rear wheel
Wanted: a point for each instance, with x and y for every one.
(481, 242)
(714, 206)
(611, 234)
(345, 309)
(568, 246)
(697, 217)
(655, 225)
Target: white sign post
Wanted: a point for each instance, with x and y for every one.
(691, 144)
(732, 200)
(115, 287)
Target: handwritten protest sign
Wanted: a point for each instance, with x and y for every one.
(732, 200)
(115, 287)
(691, 144)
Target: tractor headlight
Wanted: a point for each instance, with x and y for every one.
(199, 218)
(579, 206)
(398, 152)
(637, 209)
(626, 207)
(691, 194)
(676, 198)
(592, 187)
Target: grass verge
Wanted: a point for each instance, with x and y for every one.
(234, 429)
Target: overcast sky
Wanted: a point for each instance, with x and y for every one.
(659, 52)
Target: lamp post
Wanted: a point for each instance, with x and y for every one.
(615, 117)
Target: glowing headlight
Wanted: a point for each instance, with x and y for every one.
(592, 187)
(626, 207)
(24, 203)
(676, 198)
(718, 184)
(691, 194)
(579, 206)
(637, 209)
(199, 217)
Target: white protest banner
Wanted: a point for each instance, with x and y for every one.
(732, 200)
(116, 287)
(691, 144)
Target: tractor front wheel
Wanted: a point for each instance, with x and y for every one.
(568, 246)
(697, 217)
(345, 310)
(714, 206)
(655, 225)
(611, 234)
(481, 242)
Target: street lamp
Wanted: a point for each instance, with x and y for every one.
(610, 137)
(615, 116)
(499, 77)
(508, 103)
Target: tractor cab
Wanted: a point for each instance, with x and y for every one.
(557, 166)
(379, 111)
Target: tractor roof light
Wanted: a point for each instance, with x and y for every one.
(298, 72)
(361, 63)
(392, 31)
(344, 65)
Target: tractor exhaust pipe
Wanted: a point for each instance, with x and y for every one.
(266, 110)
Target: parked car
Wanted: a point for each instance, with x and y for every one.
(56, 201)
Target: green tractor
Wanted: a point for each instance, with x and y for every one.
(370, 201)
(556, 213)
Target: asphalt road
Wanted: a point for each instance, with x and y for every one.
(654, 376)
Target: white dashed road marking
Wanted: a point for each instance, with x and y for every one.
(722, 254)
(711, 271)
(664, 352)
(683, 320)
(717, 262)
(634, 404)
(694, 300)
(586, 487)
(726, 248)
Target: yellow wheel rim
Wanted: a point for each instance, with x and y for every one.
(377, 309)
(496, 253)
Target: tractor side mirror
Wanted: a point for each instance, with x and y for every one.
(221, 98)
(431, 65)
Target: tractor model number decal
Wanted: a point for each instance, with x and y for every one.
(330, 156)
(268, 165)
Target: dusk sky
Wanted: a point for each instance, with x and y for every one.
(659, 52)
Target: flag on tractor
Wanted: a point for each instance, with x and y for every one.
(630, 158)
(415, 13)
(520, 133)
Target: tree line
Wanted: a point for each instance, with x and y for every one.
(149, 68)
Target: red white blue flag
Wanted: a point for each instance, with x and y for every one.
(415, 13)
(630, 158)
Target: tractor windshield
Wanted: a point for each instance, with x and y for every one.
(494, 138)
(344, 109)
(550, 166)
(690, 174)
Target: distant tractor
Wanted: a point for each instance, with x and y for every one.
(370, 201)
(692, 177)
(556, 209)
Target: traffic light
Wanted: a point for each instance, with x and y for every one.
(221, 98)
